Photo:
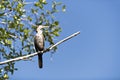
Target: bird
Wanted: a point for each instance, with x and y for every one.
(39, 43)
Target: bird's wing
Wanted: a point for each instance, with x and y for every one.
(39, 42)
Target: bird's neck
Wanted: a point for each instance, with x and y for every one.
(39, 33)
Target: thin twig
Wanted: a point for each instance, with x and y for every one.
(3, 23)
(29, 2)
(40, 52)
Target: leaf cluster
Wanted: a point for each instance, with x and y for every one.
(18, 25)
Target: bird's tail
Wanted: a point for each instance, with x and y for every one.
(40, 61)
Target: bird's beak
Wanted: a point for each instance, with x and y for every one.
(41, 26)
(45, 26)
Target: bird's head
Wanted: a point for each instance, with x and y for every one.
(40, 27)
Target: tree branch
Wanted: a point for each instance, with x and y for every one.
(40, 52)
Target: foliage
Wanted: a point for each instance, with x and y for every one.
(18, 21)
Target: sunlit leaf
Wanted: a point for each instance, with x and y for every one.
(8, 41)
(5, 76)
(37, 4)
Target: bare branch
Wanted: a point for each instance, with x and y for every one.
(3, 23)
(30, 2)
(65, 39)
(40, 52)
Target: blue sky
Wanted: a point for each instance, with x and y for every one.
(92, 55)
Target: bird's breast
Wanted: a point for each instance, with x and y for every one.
(39, 41)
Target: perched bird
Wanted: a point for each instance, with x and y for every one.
(39, 43)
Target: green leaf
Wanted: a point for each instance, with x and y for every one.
(29, 18)
(34, 10)
(53, 5)
(48, 12)
(2, 7)
(41, 6)
(37, 4)
(15, 17)
(21, 27)
(20, 5)
(55, 32)
(26, 31)
(2, 14)
(64, 8)
(56, 23)
(6, 76)
(43, 1)
(8, 41)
